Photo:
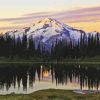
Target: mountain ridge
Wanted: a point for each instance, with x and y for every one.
(49, 30)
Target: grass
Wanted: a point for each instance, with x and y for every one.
(40, 59)
(52, 94)
(36, 60)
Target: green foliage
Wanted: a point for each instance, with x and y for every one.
(52, 94)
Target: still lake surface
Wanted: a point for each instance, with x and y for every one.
(24, 79)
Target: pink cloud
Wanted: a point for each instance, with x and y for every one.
(80, 15)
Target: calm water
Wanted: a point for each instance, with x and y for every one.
(29, 78)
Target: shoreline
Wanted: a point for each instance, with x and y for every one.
(76, 91)
(86, 91)
(52, 94)
(52, 62)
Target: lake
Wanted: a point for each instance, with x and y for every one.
(27, 78)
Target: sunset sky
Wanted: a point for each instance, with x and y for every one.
(81, 14)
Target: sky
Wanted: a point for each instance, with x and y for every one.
(80, 14)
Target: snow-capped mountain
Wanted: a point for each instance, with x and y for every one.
(49, 30)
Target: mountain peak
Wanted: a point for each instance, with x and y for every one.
(49, 22)
(48, 19)
(49, 30)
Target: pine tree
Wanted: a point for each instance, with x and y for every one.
(24, 45)
(31, 48)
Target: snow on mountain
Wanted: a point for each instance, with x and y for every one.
(93, 33)
(49, 30)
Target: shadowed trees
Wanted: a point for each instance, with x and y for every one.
(25, 47)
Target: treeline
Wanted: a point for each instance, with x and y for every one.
(86, 46)
(21, 47)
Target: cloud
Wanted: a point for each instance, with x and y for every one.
(9, 27)
(37, 14)
(28, 16)
(80, 15)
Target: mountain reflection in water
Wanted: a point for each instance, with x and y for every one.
(23, 78)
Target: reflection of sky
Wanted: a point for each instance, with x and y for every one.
(84, 14)
(44, 83)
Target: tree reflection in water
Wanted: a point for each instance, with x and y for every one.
(85, 75)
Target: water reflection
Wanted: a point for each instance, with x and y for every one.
(23, 78)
